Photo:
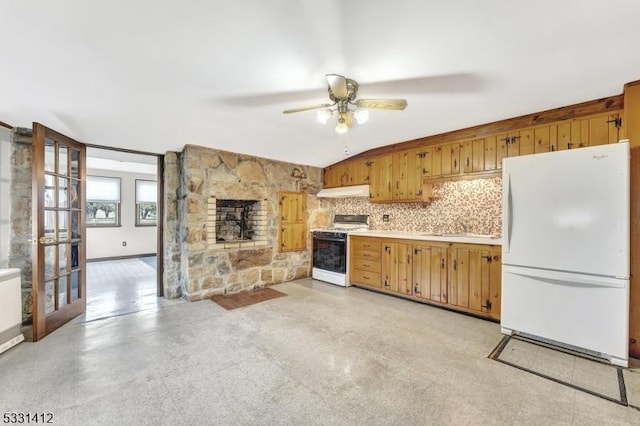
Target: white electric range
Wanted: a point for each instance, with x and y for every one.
(330, 248)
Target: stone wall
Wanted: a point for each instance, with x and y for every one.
(171, 238)
(20, 250)
(204, 173)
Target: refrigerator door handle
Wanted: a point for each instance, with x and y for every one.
(567, 278)
(508, 214)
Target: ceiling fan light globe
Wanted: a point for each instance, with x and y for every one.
(361, 115)
(341, 127)
(323, 115)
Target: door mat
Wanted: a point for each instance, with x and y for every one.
(246, 298)
(564, 367)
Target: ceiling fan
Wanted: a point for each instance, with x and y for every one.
(342, 93)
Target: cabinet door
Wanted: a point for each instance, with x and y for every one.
(423, 163)
(525, 140)
(429, 273)
(542, 139)
(396, 267)
(422, 272)
(495, 284)
(293, 237)
(451, 159)
(563, 135)
(403, 263)
(293, 221)
(400, 183)
(357, 172)
(490, 154)
(467, 156)
(474, 279)
(330, 177)
(380, 178)
(436, 161)
(387, 266)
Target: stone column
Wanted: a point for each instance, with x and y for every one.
(172, 256)
(21, 247)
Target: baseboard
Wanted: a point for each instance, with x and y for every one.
(129, 256)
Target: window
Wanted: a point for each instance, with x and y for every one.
(146, 202)
(103, 201)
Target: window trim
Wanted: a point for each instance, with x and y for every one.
(137, 205)
(118, 209)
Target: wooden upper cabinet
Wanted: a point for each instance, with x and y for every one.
(473, 153)
(380, 176)
(293, 221)
(400, 174)
(333, 176)
(491, 161)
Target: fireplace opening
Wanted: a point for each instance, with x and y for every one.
(236, 223)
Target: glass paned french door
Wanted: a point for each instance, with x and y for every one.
(58, 220)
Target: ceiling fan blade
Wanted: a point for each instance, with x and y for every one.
(397, 104)
(338, 85)
(306, 108)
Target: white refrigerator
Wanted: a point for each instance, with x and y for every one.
(565, 253)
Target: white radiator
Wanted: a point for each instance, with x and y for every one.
(10, 309)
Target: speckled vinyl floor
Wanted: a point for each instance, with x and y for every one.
(323, 355)
(118, 287)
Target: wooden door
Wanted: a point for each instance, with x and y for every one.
(58, 211)
(475, 279)
(467, 156)
(293, 221)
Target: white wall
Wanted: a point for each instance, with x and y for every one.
(5, 202)
(107, 242)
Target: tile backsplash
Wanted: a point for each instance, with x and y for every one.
(475, 203)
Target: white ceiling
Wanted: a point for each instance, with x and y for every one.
(153, 76)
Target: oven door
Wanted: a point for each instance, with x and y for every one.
(330, 253)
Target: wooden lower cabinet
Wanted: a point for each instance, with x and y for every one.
(365, 261)
(465, 277)
(429, 272)
(475, 278)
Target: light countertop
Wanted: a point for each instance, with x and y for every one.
(468, 238)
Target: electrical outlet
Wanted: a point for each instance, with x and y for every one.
(385, 218)
(124, 244)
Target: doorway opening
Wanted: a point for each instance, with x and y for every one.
(123, 217)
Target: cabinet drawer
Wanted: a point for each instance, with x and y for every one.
(366, 255)
(367, 265)
(368, 244)
(365, 277)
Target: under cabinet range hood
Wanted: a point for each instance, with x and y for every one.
(345, 192)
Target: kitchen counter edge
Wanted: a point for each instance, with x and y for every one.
(425, 237)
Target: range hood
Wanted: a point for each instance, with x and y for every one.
(345, 192)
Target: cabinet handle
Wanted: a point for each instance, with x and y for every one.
(366, 255)
(408, 258)
(442, 263)
(455, 264)
(366, 277)
(415, 289)
(488, 258)
(455, 163)
(467, 161)
(487, 305)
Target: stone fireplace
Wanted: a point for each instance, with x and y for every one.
(236, 223)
